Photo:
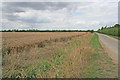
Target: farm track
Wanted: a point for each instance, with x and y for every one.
(15, 46)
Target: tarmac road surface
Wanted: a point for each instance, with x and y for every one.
(112, 46)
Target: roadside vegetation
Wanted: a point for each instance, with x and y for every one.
(76, 57)
(113, 31)
(101, 65)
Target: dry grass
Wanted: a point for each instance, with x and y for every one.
(78, 57)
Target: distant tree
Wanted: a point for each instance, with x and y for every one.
(98, 29)
(92, 31)
(116, 25)
(105, 27)
(102, 28)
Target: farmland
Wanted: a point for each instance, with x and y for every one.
(20, 40)
(55, 55)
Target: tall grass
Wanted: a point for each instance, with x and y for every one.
(79, 54)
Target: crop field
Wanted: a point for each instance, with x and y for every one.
(55, 55)
(19, 40)
(25, 38)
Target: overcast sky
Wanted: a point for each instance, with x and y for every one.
(59, 15)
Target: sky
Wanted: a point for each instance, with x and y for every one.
(59, 15)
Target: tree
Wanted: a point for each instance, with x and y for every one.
(102, 28)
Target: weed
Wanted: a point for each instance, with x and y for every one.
(76, 43)
(40, 50)
(95, 42)
(44, 67)
(33, 70)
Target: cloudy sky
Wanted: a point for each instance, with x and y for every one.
(59, 15)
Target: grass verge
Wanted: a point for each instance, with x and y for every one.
(101, 65)
(116, 37)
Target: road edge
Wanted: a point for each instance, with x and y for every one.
(108, 51)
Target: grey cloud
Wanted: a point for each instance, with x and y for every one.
(33, 20)
(10, 17)
(20, 6)
(27, 20)
(9, 8)
(119, 12)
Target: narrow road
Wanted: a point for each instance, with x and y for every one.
(111, 45)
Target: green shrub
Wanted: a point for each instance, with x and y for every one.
(114, 30)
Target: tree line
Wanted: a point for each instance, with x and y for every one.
(111, 30)
(34, 30)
